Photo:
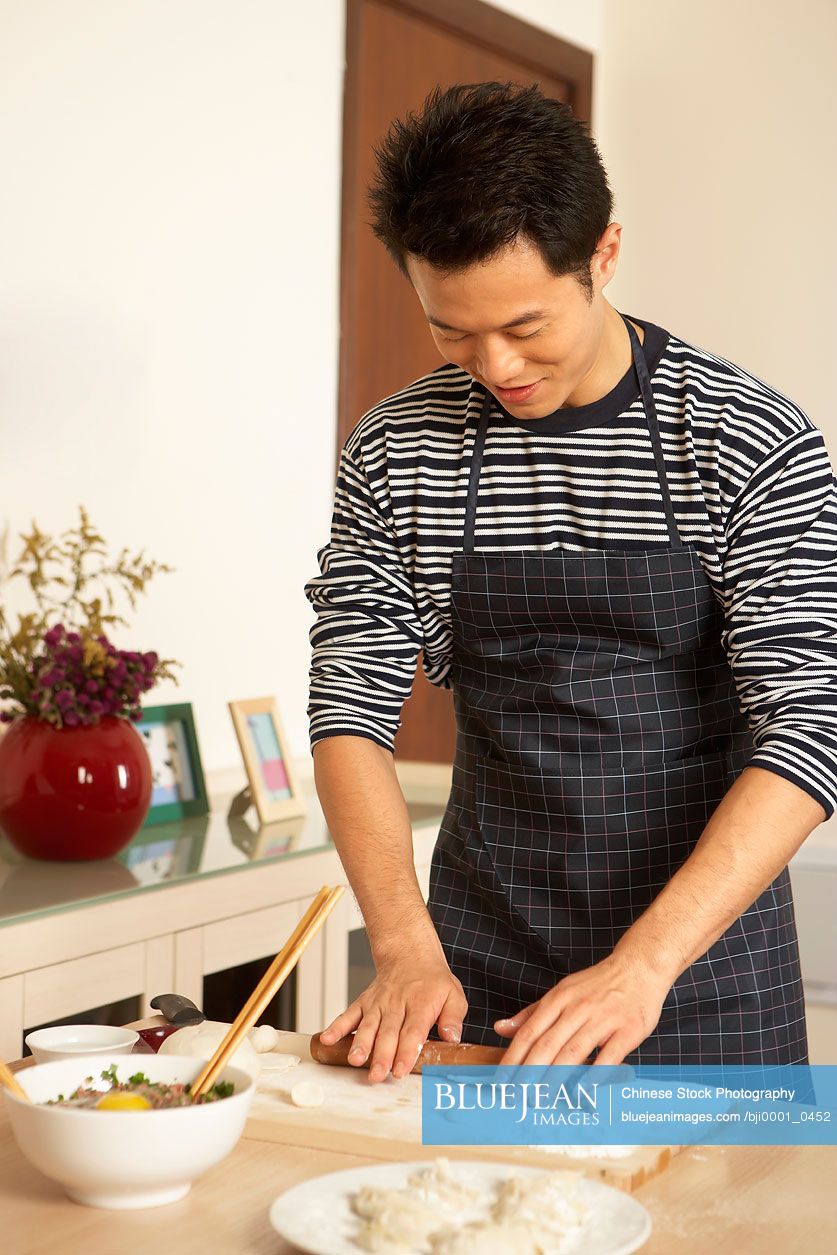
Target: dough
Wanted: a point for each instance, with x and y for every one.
(544, 1204)
(307, 1094)
(439, 1185)
(486, 1239)
(276, 1061)
(393, 1220)
(443, 1212)
(264, 1038)
(400, 1220)
(200, 1041)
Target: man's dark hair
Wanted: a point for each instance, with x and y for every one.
(483, 164)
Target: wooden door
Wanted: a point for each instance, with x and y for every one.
(397, 51)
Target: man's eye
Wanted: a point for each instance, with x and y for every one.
(458, 339)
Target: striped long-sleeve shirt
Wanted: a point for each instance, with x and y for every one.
(752, 489)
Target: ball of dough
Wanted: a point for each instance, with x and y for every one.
(307, 1094)
(264, 1038)
(200, 1041)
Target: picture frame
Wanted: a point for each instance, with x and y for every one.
(273, 784)
(171, 740)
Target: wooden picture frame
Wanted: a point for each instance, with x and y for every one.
(273, 784)
(171, 739)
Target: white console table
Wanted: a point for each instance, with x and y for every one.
(183, 901)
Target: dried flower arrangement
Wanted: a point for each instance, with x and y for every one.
(58, 663)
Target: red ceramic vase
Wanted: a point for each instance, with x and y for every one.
(73, 793)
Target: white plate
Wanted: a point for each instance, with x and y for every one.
(316, 1216)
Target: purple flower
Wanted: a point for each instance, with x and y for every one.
(71, 692)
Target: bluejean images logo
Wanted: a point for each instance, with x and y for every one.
(655, 1105)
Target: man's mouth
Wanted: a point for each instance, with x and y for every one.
(516, 396)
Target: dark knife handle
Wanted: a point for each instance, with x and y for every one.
(177, 1009)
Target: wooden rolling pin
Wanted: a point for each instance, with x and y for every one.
(433, 1053)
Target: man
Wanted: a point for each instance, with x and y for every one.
(619, 551)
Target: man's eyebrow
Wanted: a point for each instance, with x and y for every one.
(531, 315)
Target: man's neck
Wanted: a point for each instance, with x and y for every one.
(613, 359)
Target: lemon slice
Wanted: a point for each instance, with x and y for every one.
(123, 1102)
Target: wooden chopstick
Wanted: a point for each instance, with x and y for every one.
(287, 958)
(315, 906)
(9, 1079)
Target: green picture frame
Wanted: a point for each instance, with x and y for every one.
(171, 739)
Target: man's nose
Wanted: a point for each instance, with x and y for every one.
(499, 363)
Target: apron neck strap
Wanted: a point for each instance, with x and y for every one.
(474, 477)
(641, 368)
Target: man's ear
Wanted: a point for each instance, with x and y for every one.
(604, 261)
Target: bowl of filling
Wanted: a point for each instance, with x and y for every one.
(125, 1131)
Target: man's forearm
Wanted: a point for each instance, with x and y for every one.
(757, 828)
(369, 823)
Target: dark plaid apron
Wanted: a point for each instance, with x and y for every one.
(597, 730)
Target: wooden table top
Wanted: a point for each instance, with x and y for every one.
(710, 1201)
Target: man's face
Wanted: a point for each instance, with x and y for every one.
(529, 336)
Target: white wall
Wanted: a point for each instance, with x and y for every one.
(716, 122)
(578, 21)
(169, 232)
(169, 280)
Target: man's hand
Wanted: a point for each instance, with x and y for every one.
(414, 987)
(393, 1015)
(615, 1005)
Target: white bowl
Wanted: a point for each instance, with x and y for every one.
(121, 1159)
(48, 1044)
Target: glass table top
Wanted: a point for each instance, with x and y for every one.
(174, 853)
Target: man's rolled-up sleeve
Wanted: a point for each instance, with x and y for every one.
(780, 581)
(367, 635)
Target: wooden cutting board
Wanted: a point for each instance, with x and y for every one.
(384, 1122)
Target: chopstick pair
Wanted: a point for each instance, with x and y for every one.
(9, 1079)
(287, 958)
